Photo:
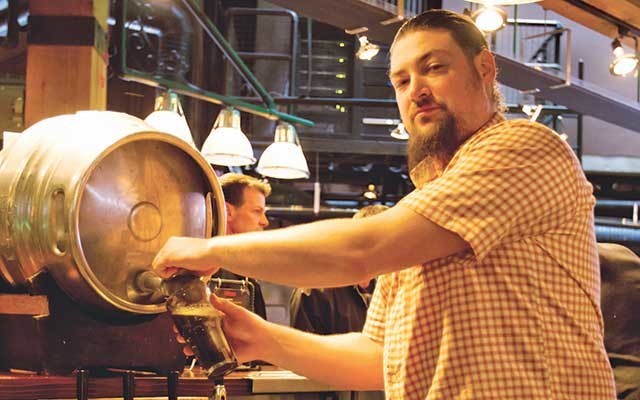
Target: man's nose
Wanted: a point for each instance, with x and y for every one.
(419, 90)
(264, 221)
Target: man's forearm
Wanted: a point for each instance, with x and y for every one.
(349, 361)
(325, 253)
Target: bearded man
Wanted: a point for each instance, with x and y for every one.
(489, 285)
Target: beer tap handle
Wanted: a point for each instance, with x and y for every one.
(219, 392)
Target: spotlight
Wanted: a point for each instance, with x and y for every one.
(367, 49)
(624, 65)
(489, 19)
(370, 193)
(399, 132)
(618, 51)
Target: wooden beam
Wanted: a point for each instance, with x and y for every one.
(587, 19)
(66, 58)
(624, 10)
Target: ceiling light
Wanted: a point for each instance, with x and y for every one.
(489, 19)
(168, 117)
(399, 132)
(367, 49)
(504, 2)
(283, 159)
(618, 51)
(624, 65)
(227, 144)
(370, 193)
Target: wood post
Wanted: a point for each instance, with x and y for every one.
(66, 58)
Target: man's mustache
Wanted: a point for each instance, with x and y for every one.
(428, 101)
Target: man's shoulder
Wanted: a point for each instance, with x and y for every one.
(515, 131)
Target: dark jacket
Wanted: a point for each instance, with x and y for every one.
(620, 296)
(330, 311)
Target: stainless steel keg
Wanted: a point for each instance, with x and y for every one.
(91, 197)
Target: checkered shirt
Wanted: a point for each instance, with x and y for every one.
(517, 316)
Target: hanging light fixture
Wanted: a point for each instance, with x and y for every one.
(226, 144)
(370, 193)
(283, 158)
(489, 18)
(168, 117)
(367, 49)
(399, 132)
(503, 2)
(623, 64)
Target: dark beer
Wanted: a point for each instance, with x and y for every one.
(201, 327)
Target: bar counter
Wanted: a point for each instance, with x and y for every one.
(21, 386)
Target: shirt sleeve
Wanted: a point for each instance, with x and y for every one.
(376, 313)
(518, 179)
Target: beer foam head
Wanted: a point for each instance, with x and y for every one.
(197, 311)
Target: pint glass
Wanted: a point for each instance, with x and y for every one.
(200, 324)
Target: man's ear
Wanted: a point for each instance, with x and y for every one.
(231, 210)
(486, 66)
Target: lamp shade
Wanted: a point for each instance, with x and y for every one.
(168, 117)
(226, 144)
(171, 122)
(283, 158)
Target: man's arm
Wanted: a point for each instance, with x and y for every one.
(348, 361)
(327, 253)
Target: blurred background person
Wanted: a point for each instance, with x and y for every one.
(334, 310)
(245, 200)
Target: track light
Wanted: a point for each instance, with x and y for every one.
(616, 46)
(399, 132)
(370, 193)
(623, 64)
(367, 49)
(489, 18)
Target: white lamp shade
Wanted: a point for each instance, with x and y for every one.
(229, 147)
(283, 160)
(172, 123)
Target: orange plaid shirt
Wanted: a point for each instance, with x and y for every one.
(518, 316)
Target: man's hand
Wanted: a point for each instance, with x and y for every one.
(246, 332)
(183, 253)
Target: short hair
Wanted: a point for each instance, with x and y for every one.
(368, 211)
(463, 31)
(233, 186)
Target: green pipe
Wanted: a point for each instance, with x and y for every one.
(211, 97)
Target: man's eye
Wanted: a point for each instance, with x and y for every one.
(435, 67)
(400, 83)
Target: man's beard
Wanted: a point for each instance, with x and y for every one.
(438, 142)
